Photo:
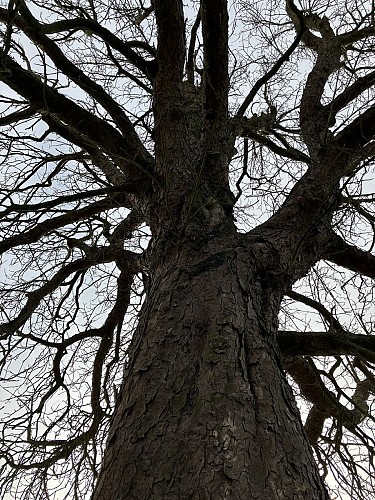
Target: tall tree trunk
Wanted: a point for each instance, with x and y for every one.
(205, 411)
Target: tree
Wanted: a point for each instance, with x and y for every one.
(196, 176)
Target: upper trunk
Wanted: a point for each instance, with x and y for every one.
(205, 410)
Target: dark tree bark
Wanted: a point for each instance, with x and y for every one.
(205, 409)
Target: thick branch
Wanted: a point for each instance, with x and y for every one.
(306, 375)
(315, 423)
(359, 261)
(326, 344)
(191, 50)
(123, 47)
(314, 118)
(357, 134)
(50, 103)
(215, 143)
(89, 25)
(167, 96)
(298, 20)
(33, 30)
(350, 93)
(65, 199)
(113, 168)
(290, 152)
(18, 116)
(215, 74)
(171, 40)
(272, 72)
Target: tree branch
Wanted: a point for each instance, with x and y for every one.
(215, 80)
(45, 205)
(33, 29)
(328, 316)
(54, 223)
(357, 134)
(52, 104)
(167, 88)
(298, 20)
(215, 76)
(190, 57)
(290, 152)
(326, 404)
(270, 73)
(327, 344)
(94, 257)
(171, 34)
(91, 26)
(18, 116)
(65, 447)
(350, 93)
(341, 253)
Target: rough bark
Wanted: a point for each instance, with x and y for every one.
(205, 409)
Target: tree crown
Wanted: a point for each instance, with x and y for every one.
(125, 126)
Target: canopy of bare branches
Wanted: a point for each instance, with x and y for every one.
(282, 94)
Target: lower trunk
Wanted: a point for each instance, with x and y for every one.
(205, 411)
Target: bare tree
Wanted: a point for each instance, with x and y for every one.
(188, 215)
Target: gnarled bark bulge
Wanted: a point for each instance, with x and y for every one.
(205, 410)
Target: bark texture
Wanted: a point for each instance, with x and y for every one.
(205, 410)
(109, 115)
